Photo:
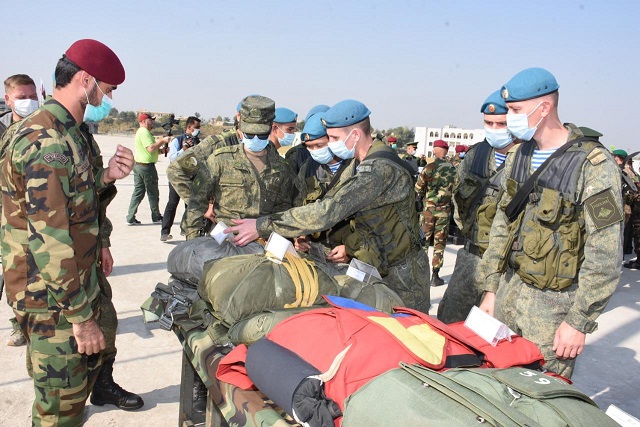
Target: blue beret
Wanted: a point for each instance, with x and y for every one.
(313, 128)
(494, 104)
(528, 84)
(321, 108)
(284, 115)
(345, 113)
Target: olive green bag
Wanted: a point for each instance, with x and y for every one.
(240, 286)
(464, 397)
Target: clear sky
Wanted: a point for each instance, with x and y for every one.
(413, 63)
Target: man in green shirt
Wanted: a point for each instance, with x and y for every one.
(145, 175)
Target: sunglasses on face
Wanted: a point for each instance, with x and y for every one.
(262, 136)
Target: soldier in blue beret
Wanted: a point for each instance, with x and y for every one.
(322, 175)
(380, 200)
(283, 130)
(557, 239)
(474, 194)
(298, 154)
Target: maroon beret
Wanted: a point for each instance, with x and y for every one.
(440, 143)
(461, 148)
(392, 139)
(98, 60)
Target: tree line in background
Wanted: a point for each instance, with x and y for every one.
(125, 122)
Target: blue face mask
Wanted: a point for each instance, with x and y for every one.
(461, 155)
(498, 138)
(322, 155)
(339, 148)
(255, 144)
(95, 114)
(518, 125)
(287, 139)
(394, 146)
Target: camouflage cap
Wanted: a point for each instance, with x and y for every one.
(257, 114)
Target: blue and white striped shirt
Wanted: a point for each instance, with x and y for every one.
(500, 158)
(539, 156)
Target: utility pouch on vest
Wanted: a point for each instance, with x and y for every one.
(548, 252)
(465, 196)
(484, 218)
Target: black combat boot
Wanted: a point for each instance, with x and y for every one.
(107, 391)
(200, 393)
(435, 279)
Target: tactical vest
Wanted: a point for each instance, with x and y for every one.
(477, 197)
(547, 247)
(391, 231)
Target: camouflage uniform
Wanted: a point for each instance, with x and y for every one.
(474, 222)
(384, 230)
(631, 198)
(434, 185)
(237, 190)
(537, 313)
(183, 169)
(49, 248)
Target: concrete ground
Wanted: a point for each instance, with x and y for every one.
(148, 361)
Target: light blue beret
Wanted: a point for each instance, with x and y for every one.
(345, 113)
(313, 128)
(528, 84)
(494, 104)
(284, 115)
(321, 108)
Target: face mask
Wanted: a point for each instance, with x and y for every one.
(461, 155)
(498, 138)
(518, 125)
(340, 149)
(287, 139)
(195, 132)
(256, 144)
(24, 107)
(95, 114)
(394, 146)
(322, 155)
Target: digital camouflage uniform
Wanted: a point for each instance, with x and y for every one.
(536, 313)
(50, 249)
(237, 190)
(384, 231)
(475, 199)
(631, 198)
(182, 170)
(312, 183)
(434, 185)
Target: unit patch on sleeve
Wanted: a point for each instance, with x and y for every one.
(603, 210)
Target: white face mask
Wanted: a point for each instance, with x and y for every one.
(24, 107)
(195, 132)
(518, 125)
(339, 148)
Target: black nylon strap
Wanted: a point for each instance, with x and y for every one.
(520, 199)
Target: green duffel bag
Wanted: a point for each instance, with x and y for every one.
(241, 286)
(250, 330)
(463, 397)
(375, 294)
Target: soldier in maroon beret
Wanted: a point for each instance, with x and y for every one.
(50, 249)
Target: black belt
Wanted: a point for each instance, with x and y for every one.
(143, 164)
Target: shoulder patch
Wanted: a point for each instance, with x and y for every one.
(603, 210)
(364, 169)
(52, 157)
(597, 156)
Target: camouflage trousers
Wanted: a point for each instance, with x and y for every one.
(436, 224)
(410, 280)
(535, 314)
(635, 227)
(108, 320)
(62, 378)
(462, 293)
